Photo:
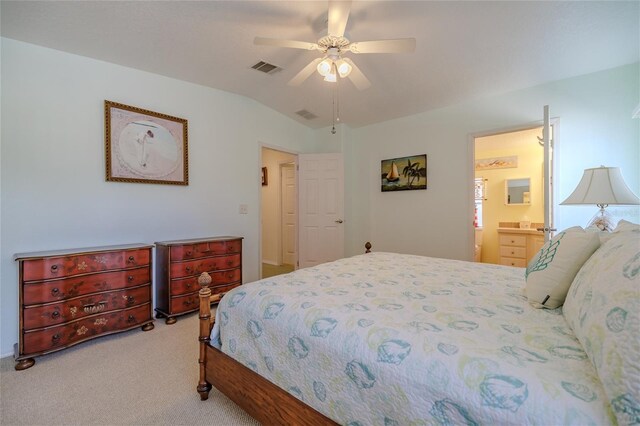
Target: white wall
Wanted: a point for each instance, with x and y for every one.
(271, 217)
(54, 193)
(595, 128)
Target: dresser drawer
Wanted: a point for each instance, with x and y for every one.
(73, 309)
(56, 267)
(207, 264)
(186, 303)
(513, 240)
(511, 261)
(52, 291)
(513, 251)
(54, 338)
(191, 302)
(211, 248)
(189, 285)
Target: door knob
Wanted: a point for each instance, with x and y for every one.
(339, 221)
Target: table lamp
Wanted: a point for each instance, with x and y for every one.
(602, 186)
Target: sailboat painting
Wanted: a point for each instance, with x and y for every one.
(404, 173)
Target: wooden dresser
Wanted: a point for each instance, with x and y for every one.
(70, 296)
(180, 262)
(518, 246)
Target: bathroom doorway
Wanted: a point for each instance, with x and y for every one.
(279, 215)
(509, 201)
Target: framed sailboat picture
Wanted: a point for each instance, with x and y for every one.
(404, 173)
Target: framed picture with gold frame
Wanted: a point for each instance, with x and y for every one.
(144, 146)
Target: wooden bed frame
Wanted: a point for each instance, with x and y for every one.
(264, 401)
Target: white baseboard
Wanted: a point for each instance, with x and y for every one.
(271, 262)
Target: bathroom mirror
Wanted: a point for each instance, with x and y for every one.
(517, 191)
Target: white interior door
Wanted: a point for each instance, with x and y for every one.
(289, 211)
(321, 208)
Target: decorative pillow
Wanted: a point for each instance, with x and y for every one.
(553, 268)
(603, 309)
(626, 226)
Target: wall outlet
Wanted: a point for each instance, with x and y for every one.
(244, 209)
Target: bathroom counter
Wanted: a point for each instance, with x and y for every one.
(532, 231)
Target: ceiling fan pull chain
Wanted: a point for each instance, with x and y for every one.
(337, 100)
(333, 112)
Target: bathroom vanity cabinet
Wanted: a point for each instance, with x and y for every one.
(518, 246)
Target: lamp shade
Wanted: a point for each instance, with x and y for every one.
(602, 185)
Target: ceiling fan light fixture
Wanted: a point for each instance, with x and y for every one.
(331, 78)
(344, 69)
(324, 67)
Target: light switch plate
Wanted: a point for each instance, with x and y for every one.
(244, 209)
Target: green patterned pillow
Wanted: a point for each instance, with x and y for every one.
(553, 268)
(603, 309)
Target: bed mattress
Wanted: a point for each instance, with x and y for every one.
(390, 339)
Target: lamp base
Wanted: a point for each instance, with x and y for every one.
(603, 220)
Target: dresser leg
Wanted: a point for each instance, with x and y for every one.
(171, 320)
(148, 327)
(23, 364)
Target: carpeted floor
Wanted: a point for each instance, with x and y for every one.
(269, 270)
(132, 378)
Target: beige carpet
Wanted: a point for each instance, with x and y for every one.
(136, 377)
(269, 270)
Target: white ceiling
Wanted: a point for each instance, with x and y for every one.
(464, 50)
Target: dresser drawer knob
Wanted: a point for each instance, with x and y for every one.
(513, 252)
(131, 259)
(131, 319)
(230, 275)
(229, 262)
(131, 299)
(512, 242)
(130, 278)
(189, 253)
(54, 268)
(189, 285)
(55, 291)
(55, 314)
(189, 269)
(55, 338)
(189, 302)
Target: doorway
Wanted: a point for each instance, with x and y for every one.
(509, 186)
(279, 215)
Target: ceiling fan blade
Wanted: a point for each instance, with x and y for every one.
(338, 17)
(384, 46)
(357, 78)
(263, 41)
(305, 73)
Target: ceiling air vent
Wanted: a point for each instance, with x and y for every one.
(306, 114)
(266, 67)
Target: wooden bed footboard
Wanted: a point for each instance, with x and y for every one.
(263, 400)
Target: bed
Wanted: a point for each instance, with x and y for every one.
(391, 339)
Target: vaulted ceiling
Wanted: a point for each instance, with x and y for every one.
(465, 50)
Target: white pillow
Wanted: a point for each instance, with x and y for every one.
(553, 268)
(626, 226)
(603, 310)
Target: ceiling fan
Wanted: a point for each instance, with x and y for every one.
(334, 46)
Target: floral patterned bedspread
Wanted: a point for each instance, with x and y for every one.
(389, 339)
